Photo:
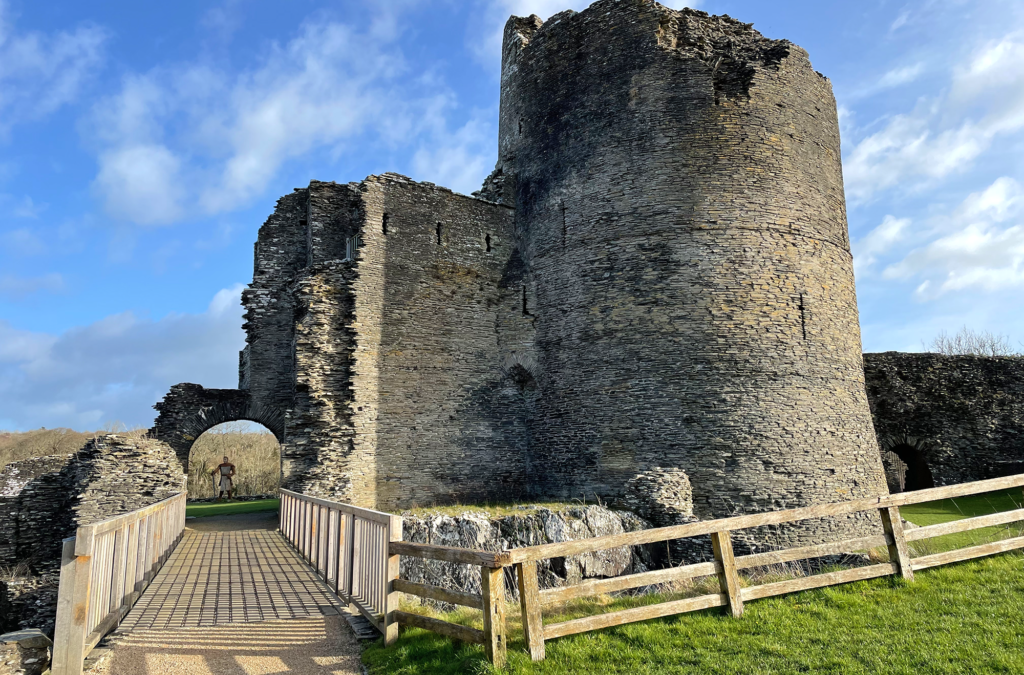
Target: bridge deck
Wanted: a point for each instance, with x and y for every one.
(229, 577)
(240, 602)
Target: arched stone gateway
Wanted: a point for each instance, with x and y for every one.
(190, 409)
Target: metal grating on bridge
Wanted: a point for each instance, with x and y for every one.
(230, 577)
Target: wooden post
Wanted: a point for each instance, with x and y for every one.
(492, 584)
(392, 596)
(529, 602)
(62, 633)
(898, 551)
(728, 578)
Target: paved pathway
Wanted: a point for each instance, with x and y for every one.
(237, 602)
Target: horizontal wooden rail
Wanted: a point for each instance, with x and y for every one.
(818, 581)
(804, 552)
(635, 614)
(725, 566)
(437, 593)
(452, 630)
(958, 555)
(450, 554)
(964, 525)
(552, 596)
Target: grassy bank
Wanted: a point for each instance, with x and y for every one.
(963, 618)
(229, 508)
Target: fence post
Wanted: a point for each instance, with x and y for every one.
(892, 522)
(529, 603)
(65, 608)
(78, 620)
(728, 577)
(492, 586)
(391, 595)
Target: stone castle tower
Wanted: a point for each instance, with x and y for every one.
(656, 276)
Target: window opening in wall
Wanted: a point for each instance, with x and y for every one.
(564, 229)
(384, 225)
(487, 242)
(439, 234)
(526, 312)
(803, 316)
(520, 126)
(352, 246)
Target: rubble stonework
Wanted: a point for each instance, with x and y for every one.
(535, 526)
(44, 500)
(656, 274)
(949, 419)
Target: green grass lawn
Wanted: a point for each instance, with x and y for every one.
(227, 508)
(962, 618)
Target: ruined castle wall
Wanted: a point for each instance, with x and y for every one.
(447, 424)
(963, 414)
(320, 457)
(678, 185)
(281, 251)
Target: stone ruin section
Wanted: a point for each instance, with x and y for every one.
(943, 420)
(679, 194)
(386, 320)
(43, 500)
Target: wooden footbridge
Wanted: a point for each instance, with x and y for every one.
(145, 578)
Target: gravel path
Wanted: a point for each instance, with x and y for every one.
(311, 646)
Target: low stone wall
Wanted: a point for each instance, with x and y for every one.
(950, 419)
(536, 525)
(43, 500)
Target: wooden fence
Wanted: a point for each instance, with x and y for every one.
(725, 566)
(104, 569)
(348, 548)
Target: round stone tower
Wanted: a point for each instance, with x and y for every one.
(679, 199)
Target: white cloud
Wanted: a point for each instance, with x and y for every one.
(980, 246)
(878, 242)
(141, 183)
(118, 367)
(40, 72)
(22, 241)
(458, 160)
(27, 208)
(900, 76)
(18, 288)
(944, 136)
(190, 140)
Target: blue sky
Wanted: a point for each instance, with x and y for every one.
(143, 144)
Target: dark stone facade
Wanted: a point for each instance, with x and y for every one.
(656, 276)
(947, 419)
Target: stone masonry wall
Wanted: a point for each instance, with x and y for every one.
(678, 188)
(964, 415)
(33, 498)
(451, 423)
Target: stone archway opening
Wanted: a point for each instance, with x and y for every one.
(250, 446)
(906, 468)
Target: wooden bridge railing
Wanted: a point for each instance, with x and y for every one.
(104, 569)
(725, 566)
(348, 547)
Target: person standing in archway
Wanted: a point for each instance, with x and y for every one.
(226, 471)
